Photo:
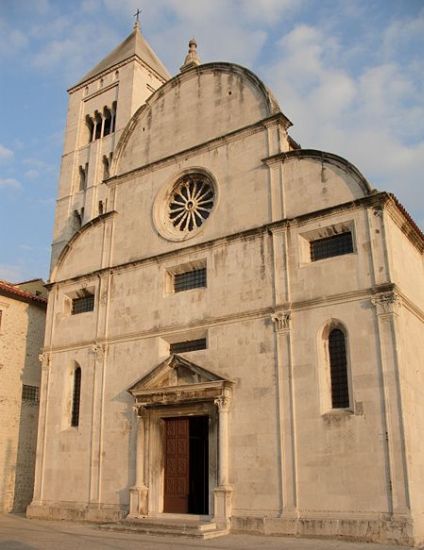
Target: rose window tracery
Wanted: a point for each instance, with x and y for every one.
(191, 202)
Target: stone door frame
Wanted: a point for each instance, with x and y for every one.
(208, 396)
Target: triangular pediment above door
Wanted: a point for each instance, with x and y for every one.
(177, 379)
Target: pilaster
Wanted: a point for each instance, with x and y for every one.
(282, 327)
(45, 359)
(223, 492)
(97, 364)
(387, 309)
(139, 492)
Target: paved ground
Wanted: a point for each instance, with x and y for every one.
(20, 533)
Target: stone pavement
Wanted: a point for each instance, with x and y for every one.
(20, 533)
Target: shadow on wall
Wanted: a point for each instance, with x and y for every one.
(28, 420)
(7, 471)
(25, 459)
(15, 545)
(129, 420)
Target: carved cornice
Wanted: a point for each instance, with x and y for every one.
(45, 359)
(281, 321)
(387, 304)
(98, 350)
(140, 411)
(223, 403)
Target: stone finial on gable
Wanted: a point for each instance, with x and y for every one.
(192, 58)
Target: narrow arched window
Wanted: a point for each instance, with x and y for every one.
(107, 121)
(76, 395)
(113, 124)
(98, 126)
(90, 127)
(106, 167)
(338, 369)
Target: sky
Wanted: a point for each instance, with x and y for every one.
(349, 74)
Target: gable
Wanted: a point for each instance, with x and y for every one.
(178, 380)
(323, 178)
(194, 107)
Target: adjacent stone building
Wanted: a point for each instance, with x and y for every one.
(234, 329)
(22, 319)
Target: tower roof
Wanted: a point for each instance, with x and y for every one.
(133, 45)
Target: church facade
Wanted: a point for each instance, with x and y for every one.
(234, 323)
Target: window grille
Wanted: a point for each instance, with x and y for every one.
(189, 345)
(83, 304)
(338, 369)
(30, 393)
(336, 245)
(76, 397)
(190, 279)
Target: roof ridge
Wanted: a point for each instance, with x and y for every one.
(133, 45)
(10, 288)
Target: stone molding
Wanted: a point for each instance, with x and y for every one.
(387, 304)
(223, 403)
(281, 321)
(98, 350)
(45, 359)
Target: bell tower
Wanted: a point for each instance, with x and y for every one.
(100, 105)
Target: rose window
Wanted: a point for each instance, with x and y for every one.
(191, 202)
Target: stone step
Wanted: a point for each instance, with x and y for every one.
(163, 526)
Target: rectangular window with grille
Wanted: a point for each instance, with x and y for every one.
(31, 394)
(195, 278)
(83, 304)
(336, 245)
(188, 345)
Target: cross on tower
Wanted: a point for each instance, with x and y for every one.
(137, 17)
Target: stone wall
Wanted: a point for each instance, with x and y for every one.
(21, 337)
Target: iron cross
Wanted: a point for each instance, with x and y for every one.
(137, 15)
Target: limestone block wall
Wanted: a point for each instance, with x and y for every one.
(340, 456)
(21, 338)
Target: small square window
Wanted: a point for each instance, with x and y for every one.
(188, 345)
(195, 278)
(83, 304)
(336, 245)
(31, 394)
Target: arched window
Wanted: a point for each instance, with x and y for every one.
(106, 167)
(83, 172)
(107, 121)
(98, 126)
(76, 395)
(76, 221)
(90, 127)
(114, 107)
(338, 369)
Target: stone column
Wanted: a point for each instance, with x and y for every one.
(139, 492)
(387, 309)
(45, 359)
(282, 322)
(97, 362)
(223, 492)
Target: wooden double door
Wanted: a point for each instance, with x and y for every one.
(186, 465)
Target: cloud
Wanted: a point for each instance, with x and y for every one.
(5, 153)
(375, 117)
(32, 174)
(9, 183)
(268, 11)
(13, 41)
(11, 273)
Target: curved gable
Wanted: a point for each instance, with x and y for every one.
(83, 253)
(314, 180)
(192, 108)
